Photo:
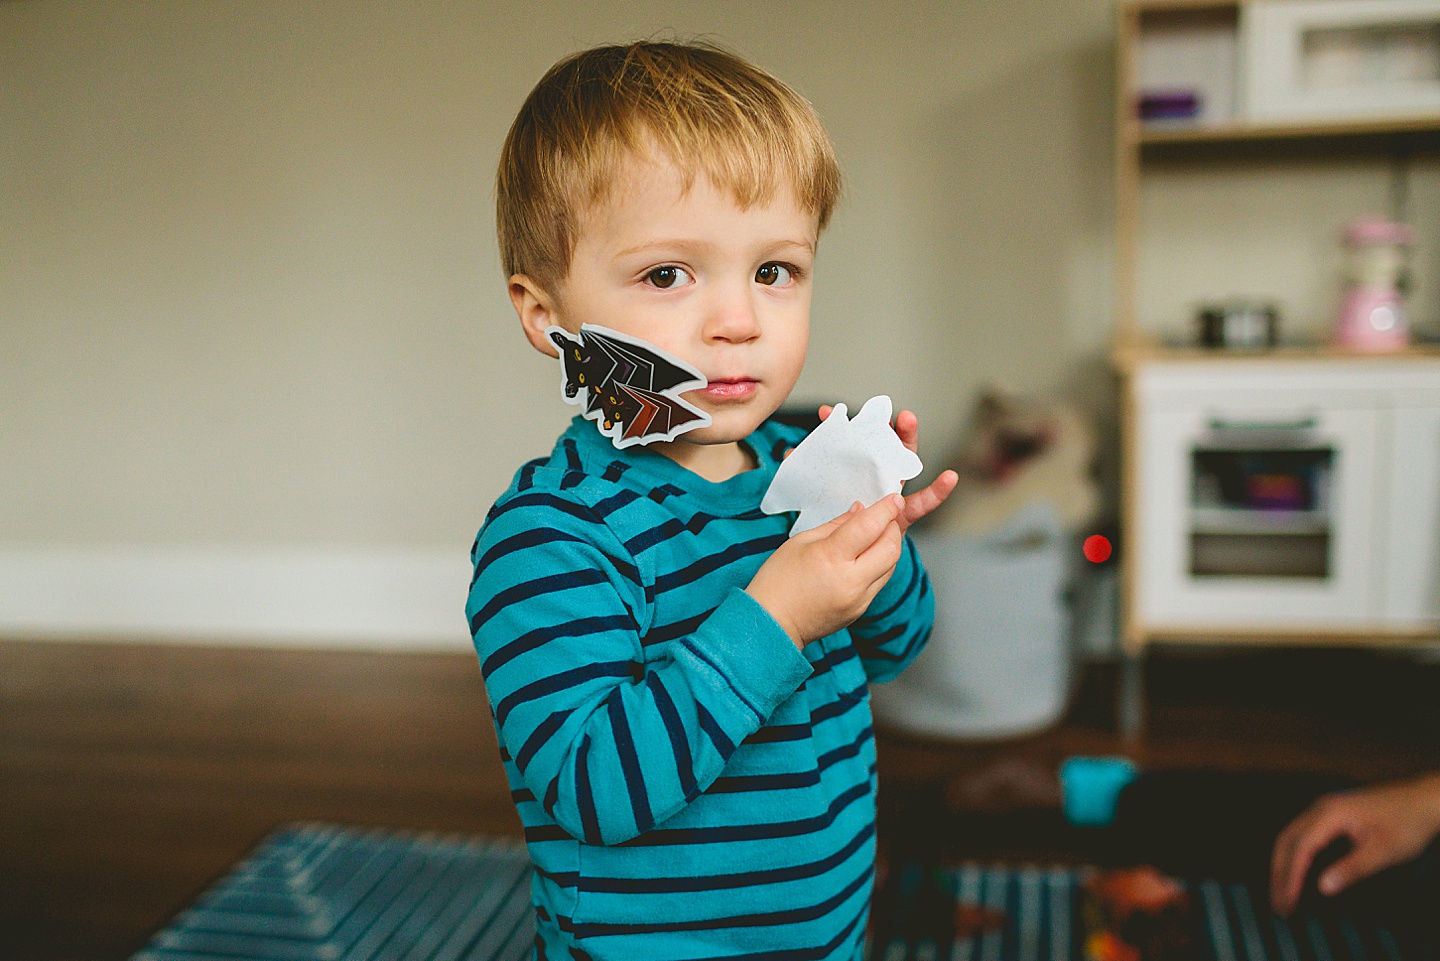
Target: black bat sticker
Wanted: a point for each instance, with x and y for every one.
(630, 389)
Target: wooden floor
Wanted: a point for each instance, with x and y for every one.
(132, 775)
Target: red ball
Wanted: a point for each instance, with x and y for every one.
(1097, 549)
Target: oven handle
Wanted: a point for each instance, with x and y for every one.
(1224, 425)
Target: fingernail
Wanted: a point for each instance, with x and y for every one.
(1329, 884)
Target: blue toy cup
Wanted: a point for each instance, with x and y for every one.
(1091, 787)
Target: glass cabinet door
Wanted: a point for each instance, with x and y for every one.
(1260, 500)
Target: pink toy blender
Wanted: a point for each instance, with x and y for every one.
(1372, 312)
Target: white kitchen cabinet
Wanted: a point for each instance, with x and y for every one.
(1289, 497)
(1407, 572)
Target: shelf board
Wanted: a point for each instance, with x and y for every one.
(1241, 132)
(1180, 6)
(1133, 348)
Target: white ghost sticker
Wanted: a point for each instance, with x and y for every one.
(841, 462)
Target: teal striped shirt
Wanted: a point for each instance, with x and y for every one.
(691, 785)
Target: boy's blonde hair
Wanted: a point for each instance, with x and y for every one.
(705, 109)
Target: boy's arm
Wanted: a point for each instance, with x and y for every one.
(894, 629)
(609, 744)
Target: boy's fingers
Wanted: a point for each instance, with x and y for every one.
(823, 530)
(920, 503)
(907, 425)
(860, 529)
(884, 553)
(877, 585)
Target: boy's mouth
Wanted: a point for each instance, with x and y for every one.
(731, 388)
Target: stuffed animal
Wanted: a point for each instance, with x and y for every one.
(1019, 451)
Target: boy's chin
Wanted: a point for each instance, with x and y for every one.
(728, 425)
(713, 436)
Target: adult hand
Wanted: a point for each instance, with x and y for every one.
(1387, 824)
(922, 502)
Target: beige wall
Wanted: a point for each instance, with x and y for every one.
(249, 295)
(1270, 228)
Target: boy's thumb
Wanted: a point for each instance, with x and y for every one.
(861, 527)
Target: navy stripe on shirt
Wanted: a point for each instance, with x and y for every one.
(559, 682)
(689, 883)
(539, 736)
(753, 832)
(721, 882)
(582, 627)
(540, 585)
(784, 916)
(675, 730)
(733, 553)
(630, 763)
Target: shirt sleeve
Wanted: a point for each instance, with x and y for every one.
(609, 743)
(894, 629)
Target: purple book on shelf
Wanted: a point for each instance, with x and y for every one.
(1169, 105)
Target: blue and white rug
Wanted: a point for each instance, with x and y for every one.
(318, 892)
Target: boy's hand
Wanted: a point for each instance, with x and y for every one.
(917, 505)
(818, 582)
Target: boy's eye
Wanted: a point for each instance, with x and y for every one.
(668, 276)
(774, 275)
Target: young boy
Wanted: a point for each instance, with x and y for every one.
(679, 689)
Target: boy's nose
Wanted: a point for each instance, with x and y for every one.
(732, 318)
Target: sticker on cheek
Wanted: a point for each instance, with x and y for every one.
(630, 388)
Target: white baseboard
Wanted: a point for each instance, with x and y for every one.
(284, 597)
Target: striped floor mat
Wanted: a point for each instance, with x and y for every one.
(1043, 922)
(317, 892)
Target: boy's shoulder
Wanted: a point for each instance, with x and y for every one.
(570, 480)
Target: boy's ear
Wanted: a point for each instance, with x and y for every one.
(536, 310)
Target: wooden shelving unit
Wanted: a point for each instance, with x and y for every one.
(1138, 142)
(1219, 140)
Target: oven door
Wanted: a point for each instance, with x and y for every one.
(1256, 510)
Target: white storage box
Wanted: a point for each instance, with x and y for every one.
(999, 662)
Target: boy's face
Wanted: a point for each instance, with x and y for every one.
(726, 290)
